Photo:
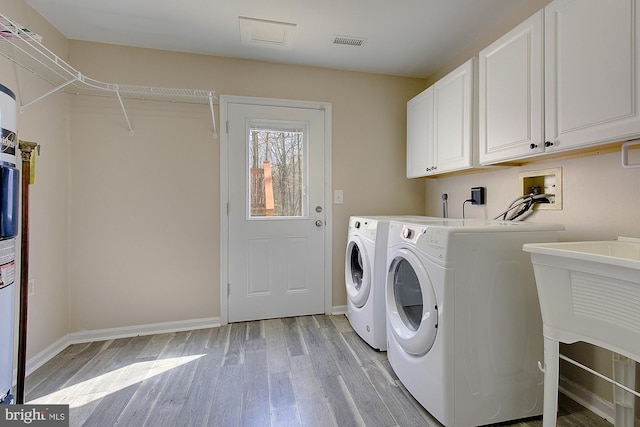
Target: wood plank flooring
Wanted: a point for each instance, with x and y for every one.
(302, 371)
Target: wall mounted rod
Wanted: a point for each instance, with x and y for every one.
(26, 149)
(599, 375)
(625, 154)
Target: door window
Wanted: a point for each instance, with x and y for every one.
(412, 309)
(408, 296)
(277, 170)
(355, 266)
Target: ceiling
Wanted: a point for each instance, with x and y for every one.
(411, 38)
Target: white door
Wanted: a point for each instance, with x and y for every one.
(276, 211)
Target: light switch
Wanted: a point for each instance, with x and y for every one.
(338, 197)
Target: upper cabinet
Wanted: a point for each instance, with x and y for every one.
(420, 160)
(568, 77)
(511, 94)
(440, 125)
(592, 53)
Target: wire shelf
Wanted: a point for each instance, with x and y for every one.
(24, 48)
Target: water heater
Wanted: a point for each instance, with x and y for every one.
(9, 189)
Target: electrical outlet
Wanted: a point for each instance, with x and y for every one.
(546, 181)
(477, 196)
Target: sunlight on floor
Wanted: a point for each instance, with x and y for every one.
(99, 387)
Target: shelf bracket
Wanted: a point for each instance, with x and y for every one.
(126, 117)
(62, 86)
(213, 116)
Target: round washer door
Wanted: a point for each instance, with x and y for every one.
(357, 272)
(412, 308)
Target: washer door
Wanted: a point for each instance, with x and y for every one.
(357, 272)
(412, 308)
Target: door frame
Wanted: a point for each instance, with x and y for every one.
(224, 193)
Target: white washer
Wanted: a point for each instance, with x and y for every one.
(464, 331)
(365, 276)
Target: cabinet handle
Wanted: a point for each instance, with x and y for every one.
(548, 144)
(533, 146)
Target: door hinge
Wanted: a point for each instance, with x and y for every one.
(227, 208)
(228, 289)
(226, 125)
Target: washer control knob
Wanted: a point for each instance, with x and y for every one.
(357, 224)
(407, 233)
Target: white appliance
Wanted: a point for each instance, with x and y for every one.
(9, 189)
(365, 276)
(464, 331)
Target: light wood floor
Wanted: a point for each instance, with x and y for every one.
(303, 371)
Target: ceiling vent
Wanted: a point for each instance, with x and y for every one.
(349, 40)
(260, 32)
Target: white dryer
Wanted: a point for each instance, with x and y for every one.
(464, 330)
(365, 276)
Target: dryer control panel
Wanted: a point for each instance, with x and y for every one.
(432, 240)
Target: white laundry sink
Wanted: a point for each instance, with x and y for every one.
(590, 291)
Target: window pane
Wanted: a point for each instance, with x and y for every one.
(276, 171)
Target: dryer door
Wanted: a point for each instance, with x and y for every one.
(412, 309)
(357, 272)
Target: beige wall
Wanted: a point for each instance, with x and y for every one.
(45, 122)
(145, 209)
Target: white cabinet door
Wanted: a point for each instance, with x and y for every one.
(511, 94)
(453, 122)
(592, 93)
(420, 161)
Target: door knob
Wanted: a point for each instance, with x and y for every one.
(319, 223)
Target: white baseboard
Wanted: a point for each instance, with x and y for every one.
(150, 329)
(48, 353)
(339, 309)
(45, 355)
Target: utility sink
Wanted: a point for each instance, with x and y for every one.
(623, 252)
(590, 291)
